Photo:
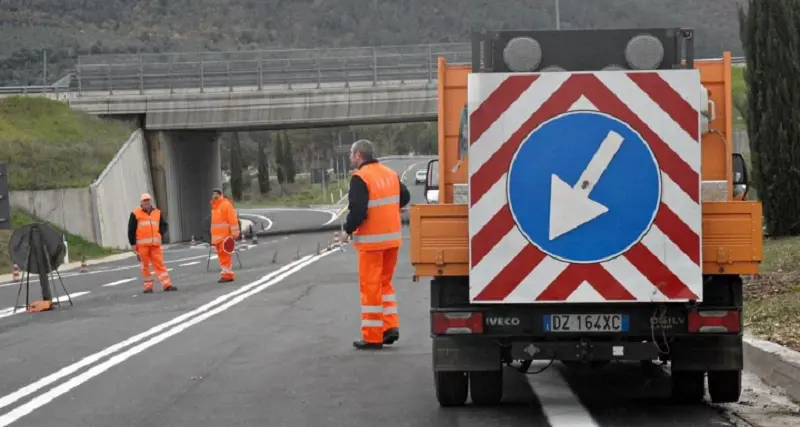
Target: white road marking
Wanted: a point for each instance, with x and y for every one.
(189, 263)
(129, 267)
(119, 282)
(6, 312)
(262, 218)
(183, 321)
(560, 405)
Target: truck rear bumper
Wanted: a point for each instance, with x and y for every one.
(708, 352)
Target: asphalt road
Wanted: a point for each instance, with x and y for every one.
(274, 349)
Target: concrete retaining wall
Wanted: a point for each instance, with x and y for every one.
(116, 191)
(70, 208)
(97, 213)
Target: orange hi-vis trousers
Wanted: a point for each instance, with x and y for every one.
(378, 301)
(225, 263)
(153, 255)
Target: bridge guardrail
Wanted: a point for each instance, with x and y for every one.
(259, 73)
(287, 69)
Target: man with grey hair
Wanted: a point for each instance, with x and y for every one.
(375, 198)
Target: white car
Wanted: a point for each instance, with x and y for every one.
(420, 176)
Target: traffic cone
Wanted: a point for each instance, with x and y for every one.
(15, 274)
(253, 236)
(193, 242)
(84, 266)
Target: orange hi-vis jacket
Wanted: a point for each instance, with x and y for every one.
(147, 233)
(224, 222)
(382, 227)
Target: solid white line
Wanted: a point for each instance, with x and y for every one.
(262, 218)
(189, 263)
(77, 380)
(119, 282)
(559, 404)
(88, 360)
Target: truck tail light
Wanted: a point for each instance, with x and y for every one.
(458, 323)
(714, 321)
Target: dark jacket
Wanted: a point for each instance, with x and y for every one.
(358, 197)
(133, 223)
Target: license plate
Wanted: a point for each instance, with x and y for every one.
(586, 323)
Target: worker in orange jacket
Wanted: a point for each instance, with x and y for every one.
(375, 198)
(224, 224)
(145, 228)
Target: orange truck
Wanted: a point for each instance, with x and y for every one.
(586, 206)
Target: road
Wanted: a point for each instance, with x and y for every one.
(274, 349)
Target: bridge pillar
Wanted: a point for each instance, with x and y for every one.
(185, 167)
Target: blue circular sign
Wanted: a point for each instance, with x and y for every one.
(584, 187)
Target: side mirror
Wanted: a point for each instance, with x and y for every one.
(432, 182)
(739, 176)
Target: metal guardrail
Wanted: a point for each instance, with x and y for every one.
(110, 73)
(260, 69)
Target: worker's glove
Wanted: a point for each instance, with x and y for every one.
(344, 238)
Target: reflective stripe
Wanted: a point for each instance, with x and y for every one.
(147, 223)
(383, 201)
(148, 240)
(389, 298)
(390, 310)
(224, 225)
(227, 270)
(372, 323)
(371, 309)
(377, 238)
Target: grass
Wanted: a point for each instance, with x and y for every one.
(772, 308)
(78, 247)
(739, 89)
(47, 145)
(300, 194)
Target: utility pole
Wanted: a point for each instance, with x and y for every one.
(558, 16)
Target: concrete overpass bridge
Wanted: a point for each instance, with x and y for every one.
(183, 101)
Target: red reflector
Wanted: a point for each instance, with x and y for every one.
(458, 323)
(714, 321)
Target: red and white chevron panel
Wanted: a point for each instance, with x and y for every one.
(663, 107)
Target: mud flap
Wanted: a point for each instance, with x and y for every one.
(465, 355)
(707, 353)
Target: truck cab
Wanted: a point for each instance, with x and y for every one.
(585, 207)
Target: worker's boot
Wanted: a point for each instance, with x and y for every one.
(391, 335)
(147, 291)
(224, 280)
(363, 345)
(171, 288)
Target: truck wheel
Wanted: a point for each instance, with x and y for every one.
(486, 387)
(452, 387)
(724, 386)
(688, 386)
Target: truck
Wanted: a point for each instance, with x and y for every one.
(586, 207)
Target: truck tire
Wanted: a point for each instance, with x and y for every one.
(688, 386)
(486, 387)
(724, 386)
(452, 387)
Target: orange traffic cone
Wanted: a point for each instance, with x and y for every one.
(15, 273)
(84, 266)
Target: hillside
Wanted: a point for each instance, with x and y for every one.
(66, 28)
(48, 145)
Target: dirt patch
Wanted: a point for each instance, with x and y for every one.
(772, 308)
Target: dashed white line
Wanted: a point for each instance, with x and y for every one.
(201, 313)
(6, 312)
(189, 263)
(119, 282)
(559, 403)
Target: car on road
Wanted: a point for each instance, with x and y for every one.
(420, 176)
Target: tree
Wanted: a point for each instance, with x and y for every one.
(769, 34)
(279, 160)
(288, 159)
(263, 168)
(236, 168)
